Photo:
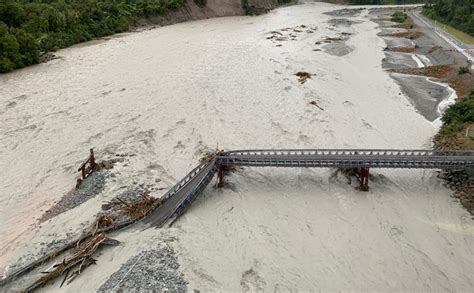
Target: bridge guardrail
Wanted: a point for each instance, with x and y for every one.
(199, 187)
(323, 158)
(404, 162)
(183, 181)
(380, 152)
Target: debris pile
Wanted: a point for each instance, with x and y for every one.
(342, 37)
(330, 40)
(90, 166)
(335, 45)
(290, 33)
(438, 71)
(347, 12)
(303, 76)
(361, 174)
(102, 222)
(123, 210)
(402, 49)
(73, 265)
(347, 172)
(209, 156)
(407, 35)
(84, 189)
(137, 209)
(222, 171)
(119, 213)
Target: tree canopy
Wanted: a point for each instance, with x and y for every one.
(30, 28)
(456, 13)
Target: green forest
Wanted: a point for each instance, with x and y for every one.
(398, 2)
(456, 13)
(30, 28)
(376, 2)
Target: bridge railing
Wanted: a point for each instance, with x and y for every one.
(381, 162)
(184, 181)
(198, 188)
(346, 152)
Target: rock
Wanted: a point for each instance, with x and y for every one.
(107, 164)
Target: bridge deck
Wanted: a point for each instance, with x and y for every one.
(178, 198)
(422, 159)
(372, 161)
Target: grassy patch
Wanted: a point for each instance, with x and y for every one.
(458, 120)
(463, 37)
(407, 35)
(438, 71)
(402, 49)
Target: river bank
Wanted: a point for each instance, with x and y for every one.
(439, 82)
(164, 97)
(29, 36)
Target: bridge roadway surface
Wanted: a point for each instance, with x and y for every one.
(180, 196)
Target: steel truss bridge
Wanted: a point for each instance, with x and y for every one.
(180, 196)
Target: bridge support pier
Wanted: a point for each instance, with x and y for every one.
(222, 171)
(221, 176)
(363, 178)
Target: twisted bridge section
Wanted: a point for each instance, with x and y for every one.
(180, 196)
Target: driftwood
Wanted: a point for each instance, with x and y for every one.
(101, 226)
(72, 266)
(90, 166)
(86, 168)
(139, 208)
(209, 156)
(314, 103)
(303, 76)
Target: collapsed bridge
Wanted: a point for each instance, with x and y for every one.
(174, 203)
(179, 197)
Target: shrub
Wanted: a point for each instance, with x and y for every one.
(457, 115)
(200, 3)
(460, 112)
(464, 70)
(399, 17)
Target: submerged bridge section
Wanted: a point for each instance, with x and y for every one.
(176, 200)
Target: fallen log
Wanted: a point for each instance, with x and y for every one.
(81, 259)
(74, 243)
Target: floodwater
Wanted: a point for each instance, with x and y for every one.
(165, 96)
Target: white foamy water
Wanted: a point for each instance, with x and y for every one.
(167, 95)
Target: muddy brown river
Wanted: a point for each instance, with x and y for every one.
(163, 97)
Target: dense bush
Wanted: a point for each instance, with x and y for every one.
(377, 2)
(457, 115)
(456, 13)
(399, 17)
(200, 3)
(464, 70)
(30, 28)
